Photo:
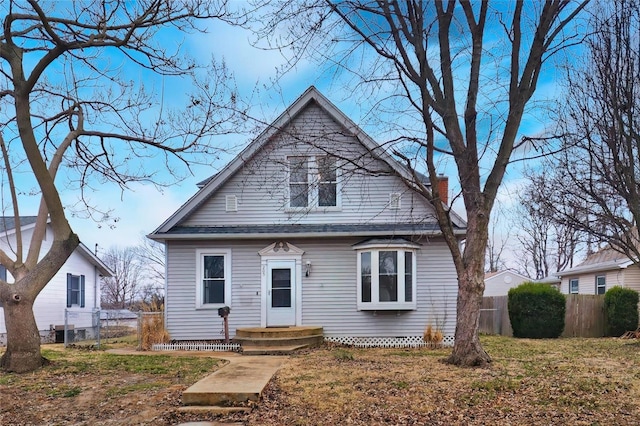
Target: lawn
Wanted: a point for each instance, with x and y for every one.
(564, 381)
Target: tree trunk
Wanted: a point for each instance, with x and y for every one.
(23, 338)
(467, 350)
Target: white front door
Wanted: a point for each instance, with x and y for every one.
(281, 292)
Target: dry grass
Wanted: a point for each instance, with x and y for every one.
(551, 382)
(565, 381)
(85, 387)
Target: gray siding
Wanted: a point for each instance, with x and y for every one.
(261, 185)
(328, 294)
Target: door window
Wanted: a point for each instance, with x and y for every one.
(281, 288)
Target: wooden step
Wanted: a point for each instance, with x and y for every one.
(277, 340)
(277, 332)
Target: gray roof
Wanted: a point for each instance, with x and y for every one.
(301, 230)
(9, 222)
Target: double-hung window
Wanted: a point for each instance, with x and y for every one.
(386, 276)
(601, 284)
(213, 287)
(574, 286)
(75, 290)
(313, 182)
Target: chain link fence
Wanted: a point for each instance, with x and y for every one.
(84, 328)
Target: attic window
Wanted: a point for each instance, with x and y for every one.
(395, 199)
(313, 182)
(231, 203)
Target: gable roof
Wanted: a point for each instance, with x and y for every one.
(603, 260)
(493, 275)
(8, 225)
(210, 185)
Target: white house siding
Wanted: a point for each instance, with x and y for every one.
(632, 277)
(501, 283)
(587, 281)
(51, 303)
(328, 294)
(261, 185)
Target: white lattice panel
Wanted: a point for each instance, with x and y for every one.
(386, 342)
(215, 347)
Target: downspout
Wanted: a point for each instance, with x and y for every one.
(95, 288)
(166, 281)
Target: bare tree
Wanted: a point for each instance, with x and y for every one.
(547, 242)
(72, 98)
(126, 284)
(497, 243)
(600, 167)
(456, 77)
(152, 256)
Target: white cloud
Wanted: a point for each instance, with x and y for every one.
(140, 211)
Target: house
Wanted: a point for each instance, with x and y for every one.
(74, 291)
(599, 272)
(309, 225)
(498, 283)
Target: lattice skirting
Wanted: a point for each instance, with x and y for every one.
(359, 342)
(386, 342)
(197, 346)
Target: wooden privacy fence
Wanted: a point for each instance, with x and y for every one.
(584, 316)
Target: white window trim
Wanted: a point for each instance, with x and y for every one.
(375, 304)
(200, 253)
(577, 288)
(314, 185)
(604, 277)
(395, 200)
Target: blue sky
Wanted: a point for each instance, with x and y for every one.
(143, 207)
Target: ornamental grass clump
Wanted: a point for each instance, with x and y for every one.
(621, 307)
(536, 311)
(433, 338)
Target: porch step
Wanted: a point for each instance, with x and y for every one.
(277, 340)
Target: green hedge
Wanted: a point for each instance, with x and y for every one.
(621, 307)
(536, 311)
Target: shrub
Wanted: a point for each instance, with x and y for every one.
(536, 311)
(621, 308)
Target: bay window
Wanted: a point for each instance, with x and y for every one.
(386, 276)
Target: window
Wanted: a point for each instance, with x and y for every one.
(387, 277)
(327, 181)
(213, 289)
(298, 181)
(601, 284)
(313, 182)
(75, 290)
(3, 273)
(573, 286)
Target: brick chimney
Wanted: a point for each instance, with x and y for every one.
(443, 188)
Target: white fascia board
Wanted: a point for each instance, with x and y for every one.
(599, 267)
(95, 260)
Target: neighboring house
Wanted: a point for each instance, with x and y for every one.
(498, 283)
(309, 225)
(75, 288)
(599, 272)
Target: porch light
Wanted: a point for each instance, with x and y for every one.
(308, 270)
